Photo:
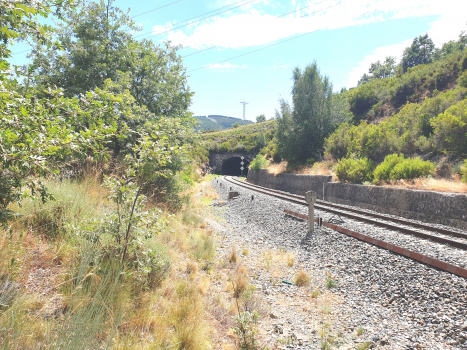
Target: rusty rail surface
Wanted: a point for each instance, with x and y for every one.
(345, 212)
(457, 270)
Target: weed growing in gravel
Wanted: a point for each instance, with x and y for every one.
(326, 339)
(245, 329)
(245, 251)
(326, 309)
(233, 258)
(364, 346)
(330, 283)
(290, 259)
(360, 330)
(302, 279)
(315, 294)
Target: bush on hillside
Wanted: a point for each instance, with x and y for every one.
(396, 167)
(464, 172)
(354, 170)
(414, 129)
(412, 169)
(383, 171)
(259, 163)
(462, 81)
(450, 129)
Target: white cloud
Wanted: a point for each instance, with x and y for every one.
(258, 28)
(450, 23)
(226, 66)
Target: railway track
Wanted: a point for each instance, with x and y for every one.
(409, 228)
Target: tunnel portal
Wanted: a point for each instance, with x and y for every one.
(231, 166)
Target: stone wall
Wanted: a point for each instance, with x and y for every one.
(429, 206)
(292, 183)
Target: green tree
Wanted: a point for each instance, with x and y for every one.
(380, 70)
(236, 125)
(97, 44)
(420, 52)
(261, 118)
(316, 113)
(19, 20)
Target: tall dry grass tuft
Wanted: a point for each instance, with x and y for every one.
(233, 257)
(302, 279)
(186, 316)
(324, 167)
(75, 201)
(277, 168)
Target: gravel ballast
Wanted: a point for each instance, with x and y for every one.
(398, 302)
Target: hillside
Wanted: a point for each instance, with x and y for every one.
(253, 137)
(219, 122)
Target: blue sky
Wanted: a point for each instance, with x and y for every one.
(344, 37)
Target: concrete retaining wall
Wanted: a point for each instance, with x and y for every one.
(435, 207)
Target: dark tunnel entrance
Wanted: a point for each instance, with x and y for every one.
(232, 166)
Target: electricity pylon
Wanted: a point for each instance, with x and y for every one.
(244, 104)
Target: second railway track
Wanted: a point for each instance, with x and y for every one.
(374, 219)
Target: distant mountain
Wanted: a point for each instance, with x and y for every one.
(219, 122)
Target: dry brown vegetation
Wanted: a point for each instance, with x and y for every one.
(277, 168)
(431, 184)
(46, 304)
(302, 279)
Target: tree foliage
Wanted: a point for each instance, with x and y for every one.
(97, 44)
(315, 114)
(420, 52)
(380, 70)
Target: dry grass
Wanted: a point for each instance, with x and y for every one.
(277, 168)
(171, 315)
(233, 257)
(432, 184)
(324, 167)
(290, 257)
(302, 279)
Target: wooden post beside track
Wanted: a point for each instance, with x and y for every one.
(310, 197)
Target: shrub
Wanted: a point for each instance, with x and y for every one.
(464, 172)
(396, 167)
(245, 329)
(450, 129)
(383, 171)
(412, 168)
(462, 81)
(259, 163)
(354, 170)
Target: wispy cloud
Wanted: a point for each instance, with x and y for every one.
(446, 27)
(258, 27)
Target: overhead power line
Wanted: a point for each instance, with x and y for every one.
(197, 18)
(140, 14)
(158, 8)
(280, 16)
(266, 47)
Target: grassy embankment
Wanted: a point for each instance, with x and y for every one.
(60, 290)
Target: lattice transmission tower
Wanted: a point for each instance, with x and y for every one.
(244, 104)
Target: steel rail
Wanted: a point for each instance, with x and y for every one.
(457, 270)
(375, 215)
(404, 230)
